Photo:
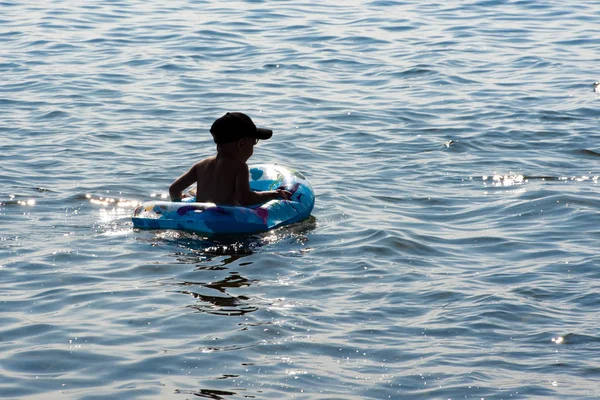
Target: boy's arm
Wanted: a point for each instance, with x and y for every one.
(181, 183)
(247, 197)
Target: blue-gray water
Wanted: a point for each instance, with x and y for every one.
(455, 151)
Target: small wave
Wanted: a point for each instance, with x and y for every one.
(591, 153)
(55, 114)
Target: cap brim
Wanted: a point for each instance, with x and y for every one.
(263, 134)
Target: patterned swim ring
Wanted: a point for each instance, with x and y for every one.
(214, 219)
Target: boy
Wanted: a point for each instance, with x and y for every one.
(224, 179)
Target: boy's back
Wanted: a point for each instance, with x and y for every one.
(216, 178)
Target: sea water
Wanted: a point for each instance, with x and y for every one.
(453, 250)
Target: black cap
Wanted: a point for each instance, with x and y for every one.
(235, 125)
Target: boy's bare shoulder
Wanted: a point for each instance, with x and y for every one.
(206, 162)
(232, 165)
(221, 167)
(241, 166)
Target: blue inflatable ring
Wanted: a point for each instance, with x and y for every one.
(213, 219)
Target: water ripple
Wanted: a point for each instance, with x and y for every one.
(453, 151)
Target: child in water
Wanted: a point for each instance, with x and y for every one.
(224, 178)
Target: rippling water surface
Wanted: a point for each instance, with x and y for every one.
(453, 250)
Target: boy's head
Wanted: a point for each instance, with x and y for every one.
(234, 126)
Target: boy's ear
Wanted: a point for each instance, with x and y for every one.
(241, 143)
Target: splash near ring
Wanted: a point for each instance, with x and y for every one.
(213, 219)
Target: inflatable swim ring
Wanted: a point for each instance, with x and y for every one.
(213, 219)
